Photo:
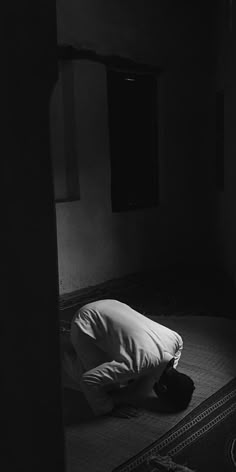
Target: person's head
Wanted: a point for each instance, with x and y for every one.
(175, 389)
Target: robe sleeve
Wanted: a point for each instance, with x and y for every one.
(178, 352)
(94, 384)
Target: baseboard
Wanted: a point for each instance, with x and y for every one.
(106, 289)
(163, 278)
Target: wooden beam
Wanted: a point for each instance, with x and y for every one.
(69, 53)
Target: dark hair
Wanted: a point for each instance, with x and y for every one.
(175, 388)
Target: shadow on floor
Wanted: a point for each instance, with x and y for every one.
(75, 408)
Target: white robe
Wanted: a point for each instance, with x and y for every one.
(115, 344)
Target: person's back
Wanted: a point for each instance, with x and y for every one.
(126, 335)
(115, 344)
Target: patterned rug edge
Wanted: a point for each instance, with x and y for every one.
(216, 402)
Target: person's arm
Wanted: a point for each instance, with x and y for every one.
(178, 352)
(94, 384)
(139, 388)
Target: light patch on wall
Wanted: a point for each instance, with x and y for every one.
(63, 136)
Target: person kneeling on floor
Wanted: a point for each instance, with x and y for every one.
(121, 355)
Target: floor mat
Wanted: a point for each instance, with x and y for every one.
(209, 356)
(206, 436)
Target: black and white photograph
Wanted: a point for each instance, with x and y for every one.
(118, 339)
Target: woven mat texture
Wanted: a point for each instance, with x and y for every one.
(209, 356)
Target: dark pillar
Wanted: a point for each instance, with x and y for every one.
(30, 411)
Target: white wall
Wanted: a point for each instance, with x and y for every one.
(95, 244)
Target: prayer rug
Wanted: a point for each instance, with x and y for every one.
(204, 440)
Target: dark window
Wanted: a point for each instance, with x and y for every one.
(132, 101)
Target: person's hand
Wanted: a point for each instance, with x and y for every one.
(125, 411)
